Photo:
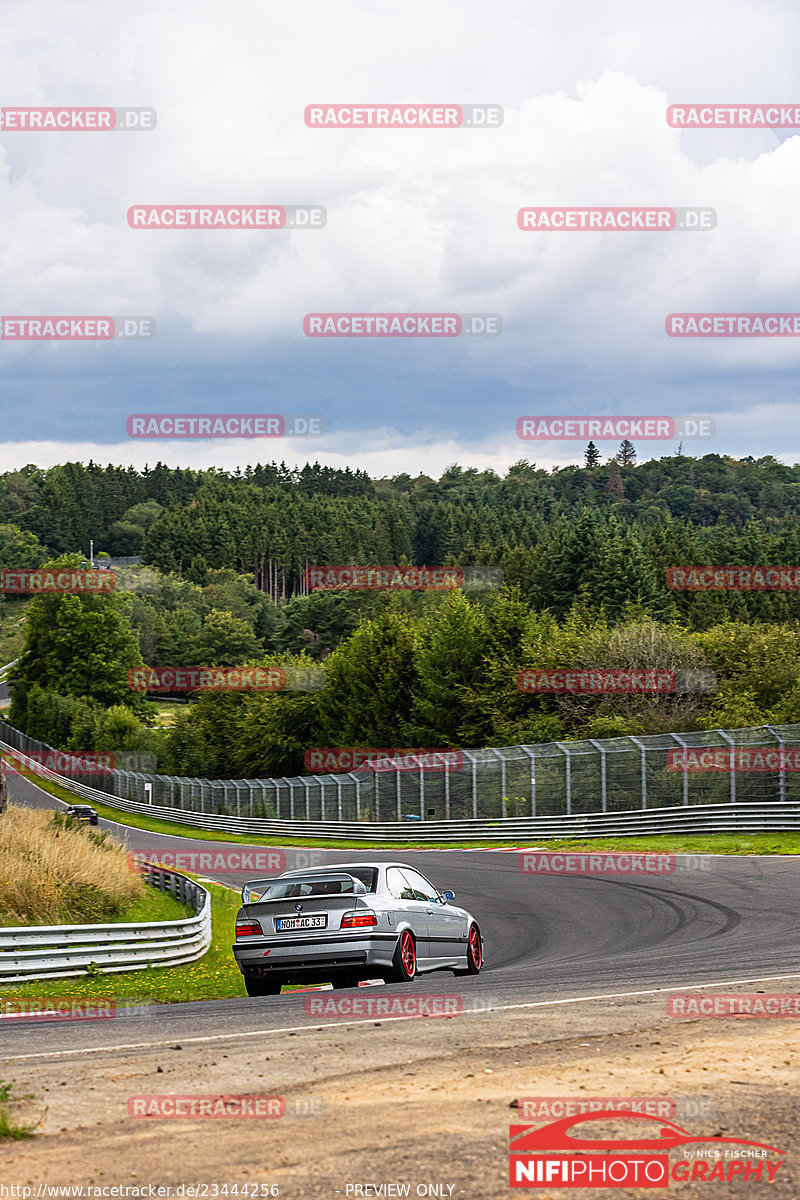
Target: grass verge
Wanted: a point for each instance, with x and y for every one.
(8, 1128)
(678, 843)
(213, 977)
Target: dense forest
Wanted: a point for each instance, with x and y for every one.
(584, 552)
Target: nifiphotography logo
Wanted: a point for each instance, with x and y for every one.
(563, 1154)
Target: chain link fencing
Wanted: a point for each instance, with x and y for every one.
(758, 765)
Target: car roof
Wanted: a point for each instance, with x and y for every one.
(345, 868)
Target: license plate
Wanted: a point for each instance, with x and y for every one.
(285, 923)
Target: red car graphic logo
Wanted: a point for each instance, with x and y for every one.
(527, 1139)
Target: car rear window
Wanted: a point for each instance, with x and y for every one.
(289, 888)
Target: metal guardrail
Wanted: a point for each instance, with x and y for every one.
(614, 785)
(58, 951)
(4, 670)
(740, 817)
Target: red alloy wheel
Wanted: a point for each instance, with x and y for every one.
(475, 949)
(408, 955)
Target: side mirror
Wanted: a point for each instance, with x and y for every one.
(448, 897)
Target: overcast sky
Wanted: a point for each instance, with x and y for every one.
(417, 221)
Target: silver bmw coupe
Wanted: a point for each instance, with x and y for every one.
(342, 924)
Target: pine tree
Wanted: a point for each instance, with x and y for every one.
(591, 457)
(626, 455)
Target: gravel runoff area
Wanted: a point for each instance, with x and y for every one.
(423, 1102)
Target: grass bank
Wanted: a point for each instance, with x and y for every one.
(55, 871)
(215, 976)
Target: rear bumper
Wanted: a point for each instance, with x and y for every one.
(269, 956)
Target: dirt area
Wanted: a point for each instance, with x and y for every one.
(424, 1102)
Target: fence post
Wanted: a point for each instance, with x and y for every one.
(446, 788)
(732, 760)
(399, 795)
(291, 799)
(603, 791)
(321, 782)
(643, 750)
(532, 757)
(781, 747)
(685, 746)
(502, 783)
(305, 784)
(565, 749)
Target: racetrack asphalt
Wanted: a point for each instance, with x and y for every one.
(550, 940)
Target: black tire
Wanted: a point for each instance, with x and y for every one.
(404, 963)
(474, 952)
(345, 981)
(262, 985)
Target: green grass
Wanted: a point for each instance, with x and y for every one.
(155, 906)
(12, 629)
(213, 977)
(7, 1127)
(678, 843)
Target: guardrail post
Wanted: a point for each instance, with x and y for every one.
(781, 749)
(732, 763)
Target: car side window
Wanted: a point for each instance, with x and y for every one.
(421, 889)
(398, 885)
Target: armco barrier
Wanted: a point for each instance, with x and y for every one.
(58, 951)
(592, 788)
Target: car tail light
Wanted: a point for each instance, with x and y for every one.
(248, 929)
(358, 920)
